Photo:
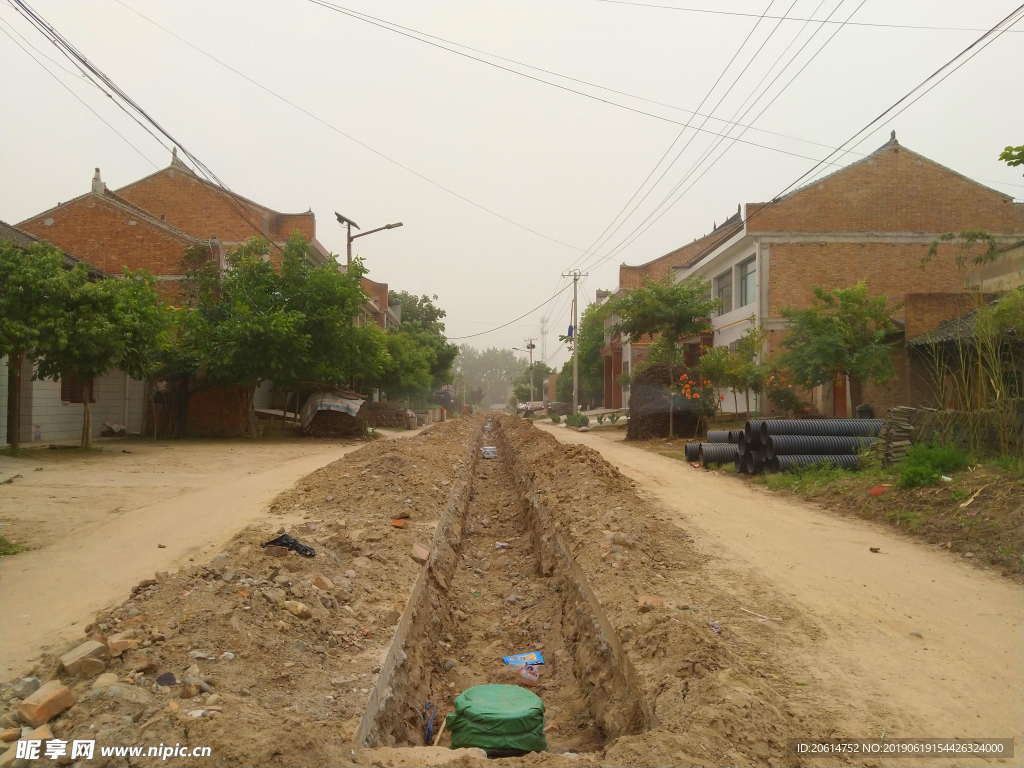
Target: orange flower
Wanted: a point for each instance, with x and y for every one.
(697, 396)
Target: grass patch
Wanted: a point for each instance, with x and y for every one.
(809, 480)
(678, 455)
(1012, 464)
(8, 547)
(926, 464)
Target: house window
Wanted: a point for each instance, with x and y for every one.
(723, 291)
(748, 282)
(71, 388)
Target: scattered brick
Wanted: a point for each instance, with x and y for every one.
(322, 582)
(398, 523)
(50, 700)
(649, 603)
(420, 553)
(90, 649)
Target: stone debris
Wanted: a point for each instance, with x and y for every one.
(50, 700)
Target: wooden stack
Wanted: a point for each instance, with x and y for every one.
(896, 435)
(383, 414)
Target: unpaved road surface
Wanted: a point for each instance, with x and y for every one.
(920, 635)
(96, 523)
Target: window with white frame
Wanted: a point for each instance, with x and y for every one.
(748, 281)
(723, 291)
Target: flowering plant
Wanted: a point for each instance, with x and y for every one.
(782, 395)
(700, 391)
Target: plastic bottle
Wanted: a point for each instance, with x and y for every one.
(529, 675)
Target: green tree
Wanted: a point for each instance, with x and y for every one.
(30, 281)
(521, 384)
(672, 310)
(490, 370)
(407, 372)
(716, 366)
(747, 372)
(246, 331)
(111, 324)
(845, 333)
(590, 336)
(1013, 156)
(422, 321)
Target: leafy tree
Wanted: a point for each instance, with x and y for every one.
(489, 370)
(845, 333)
(590, 336)
(716, 366)
(422, 321)
(407, 372)
(1013, 156)
(746, 370)
(112, 324)
(30, 281)
(521, 385)
(246, 331)
(668, 309)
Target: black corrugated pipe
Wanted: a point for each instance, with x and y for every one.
(752, 463)
(778, 445)
(739, 464)
(787, 462)
(718, 436)
(692, 451)
(716, 453)
(741, 443)
(817, 427)
(752, 429)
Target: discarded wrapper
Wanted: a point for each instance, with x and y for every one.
(531, 657)
(489, 452)
(500, 545)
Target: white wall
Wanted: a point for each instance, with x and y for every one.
(264, 395)
(3, 400)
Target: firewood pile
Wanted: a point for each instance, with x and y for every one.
(383, 414)
(649, 405)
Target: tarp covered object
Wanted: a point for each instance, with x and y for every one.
(500, 719)
(325, 401)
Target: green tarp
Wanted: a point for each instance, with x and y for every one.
(498, 718)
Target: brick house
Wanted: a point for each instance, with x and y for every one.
(378, 307)
(53, 410)
(620, 356)
(148, 224)
(873, 220)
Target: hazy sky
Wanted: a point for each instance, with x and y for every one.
(550, 160)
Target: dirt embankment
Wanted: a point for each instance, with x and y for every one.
(286, 689)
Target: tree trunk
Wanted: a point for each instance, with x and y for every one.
(15, 362)
(147, 388)
(250, 411)
(746, 400)
(671, 390)
(86, 413)
(735, 403)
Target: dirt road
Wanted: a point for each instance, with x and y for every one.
(97, 524)
(917, 634)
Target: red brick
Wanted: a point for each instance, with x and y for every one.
(398, 523)
(649, 603)
(50, 700)
(420, 553)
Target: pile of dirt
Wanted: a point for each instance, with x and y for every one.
(335, 424)
(714, 688)
(272, 657)
(649, 405)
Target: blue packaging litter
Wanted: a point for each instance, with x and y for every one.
(533, 657)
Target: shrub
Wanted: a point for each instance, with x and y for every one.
(614, 417)
(577, 420)
(556, 419)
(600, 418)
(925, 464)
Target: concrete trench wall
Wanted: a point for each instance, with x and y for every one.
(609, 682)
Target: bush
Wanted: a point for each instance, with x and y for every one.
(577, 420)
(556, 419)
(925, 464)
(614, 417)
(600, 418)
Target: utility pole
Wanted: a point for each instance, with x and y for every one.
(574, 335)
(530, 346)
(544, 340)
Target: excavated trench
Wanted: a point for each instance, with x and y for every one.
(475, 603)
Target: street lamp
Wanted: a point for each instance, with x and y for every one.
(348, 224)
(530, 346)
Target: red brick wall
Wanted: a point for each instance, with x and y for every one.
(890, 269)
(894, 190)
(925, 311)
(204, 211)
(632, 277)
(217, 412)
(102, 234)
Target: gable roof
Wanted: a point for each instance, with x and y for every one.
(23, 240)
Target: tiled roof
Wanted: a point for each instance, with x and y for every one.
(963, 327)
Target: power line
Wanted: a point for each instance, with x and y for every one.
(398, 31)
(505, 325)
(641, 228)
(751, 15)
(599, 241)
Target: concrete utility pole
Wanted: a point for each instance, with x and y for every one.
(349, 237)
(530, 346)
(543, 342)
(574, 335)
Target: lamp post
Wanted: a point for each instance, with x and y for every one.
(348, 224)
(530, 346)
